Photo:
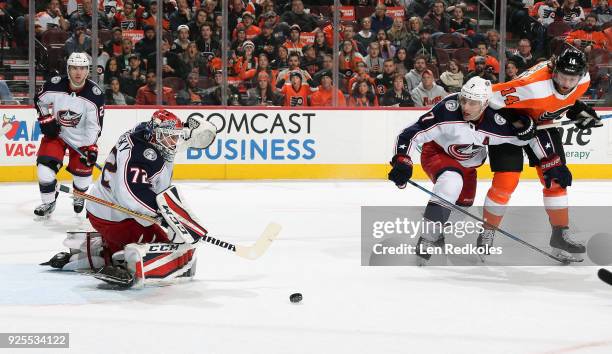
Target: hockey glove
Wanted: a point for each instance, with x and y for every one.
(554, 169)
(402, 170)
(585, 116)
(528, 131)
(49, 126)
(91, 155)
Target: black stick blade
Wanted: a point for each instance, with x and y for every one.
(605, 276)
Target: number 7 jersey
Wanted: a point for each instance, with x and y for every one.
(134, 173)
(534, 94)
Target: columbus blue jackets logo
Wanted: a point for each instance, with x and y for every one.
(150, 154)
(69, 118)
(464, 152)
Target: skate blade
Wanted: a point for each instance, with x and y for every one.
(483, 257)
(39, 218)
(565, 256)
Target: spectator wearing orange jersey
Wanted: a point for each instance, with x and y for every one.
(482, 51)
(363, 95)
(250, 29)
(360, 75)
(263, 65)
(247, 60)
(348, 59)
(294, 66)
(588, 37)
(295, 43)
(296, 92)
(146, 95)
(148, 18)
(323, 96)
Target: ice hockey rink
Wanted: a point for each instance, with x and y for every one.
(240, 306)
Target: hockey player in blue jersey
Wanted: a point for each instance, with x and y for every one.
(454, 135)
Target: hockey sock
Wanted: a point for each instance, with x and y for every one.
(498, 196)
(555, 202)
(81, 183)
(46, 183)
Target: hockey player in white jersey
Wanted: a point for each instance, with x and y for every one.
(137, 172)
(454, 134)
(70, 110)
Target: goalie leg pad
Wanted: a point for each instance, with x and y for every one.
(160, 263)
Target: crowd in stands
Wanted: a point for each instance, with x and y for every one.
(391, 52)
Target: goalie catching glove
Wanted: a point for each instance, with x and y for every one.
(585, 116)
(199, 133)
(182, 226)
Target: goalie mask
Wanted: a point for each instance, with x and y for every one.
(74, 67)
(165, 132)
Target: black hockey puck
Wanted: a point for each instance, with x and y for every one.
(295, 298)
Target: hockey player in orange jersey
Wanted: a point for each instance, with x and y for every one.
(544, 93)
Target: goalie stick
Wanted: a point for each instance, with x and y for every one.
(605, 276)
(249, 252)
(565, 260)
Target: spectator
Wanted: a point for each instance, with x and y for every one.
(194, 61)
(296, 92)
(172, 66)
(419, 7)
(196, 22)
(380, 20)
(247, 60)
(149, 18)
(127, 49)
(603, 12)
(452, 79)
(265, 42)
(493, 43)
(134, 80)
(147, 96)
(207, 45)
(413, 78)
(384, 81)
(481, 69)
(240, 39)
(327, 65)
(271, 19)
(481, 50)
(182, 41)
(83, 20)
(464, 27)
(78, 42)
(522, 56)
(415, 24)
(237, 8)
(437, 19)
(126, 17)
(348, 34)
(373, 60)
(114, 47)
(361, 74)
(111, 70)
(294, 66)
(297, 16)
(571, 13)
(217, 26)
(133, 64)
(362, 95)
(349, 58)
(397, 96)
(320, 45)
(547, 12)
(114, 96)
(323, 97)
(109, 11)
(281, 62)
(588, 37)
(146, 45)
(428, 93)
(191, 95)
(6, 97)
(398, 34)
(263, 64)
(422, 46)
(387, 49)
(51, 18)
(181, 16)
(295, 44)
(250, 29)
(365, 36)
(402, 63)
(511, 70)
(310, 62)
(263, 94)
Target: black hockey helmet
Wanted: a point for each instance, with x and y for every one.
(571, 62)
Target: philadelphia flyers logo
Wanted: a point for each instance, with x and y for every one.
(553, 115)
(463, 152)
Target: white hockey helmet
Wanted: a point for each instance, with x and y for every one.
(78, 60)
(476, 89)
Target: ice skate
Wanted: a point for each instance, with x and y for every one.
(563, 246)
(485, 240)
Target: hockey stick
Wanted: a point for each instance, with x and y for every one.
(249, 252)
(605, 276)
(515, 238)
(567, 122)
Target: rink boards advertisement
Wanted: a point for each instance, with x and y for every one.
(271, 143)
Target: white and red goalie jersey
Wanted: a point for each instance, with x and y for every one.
(80, 114)
(134, 173)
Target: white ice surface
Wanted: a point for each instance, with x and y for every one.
(241, 306)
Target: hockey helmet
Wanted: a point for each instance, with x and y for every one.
(571, 62)
(165, 132)
(77, 60)
(476, 89)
